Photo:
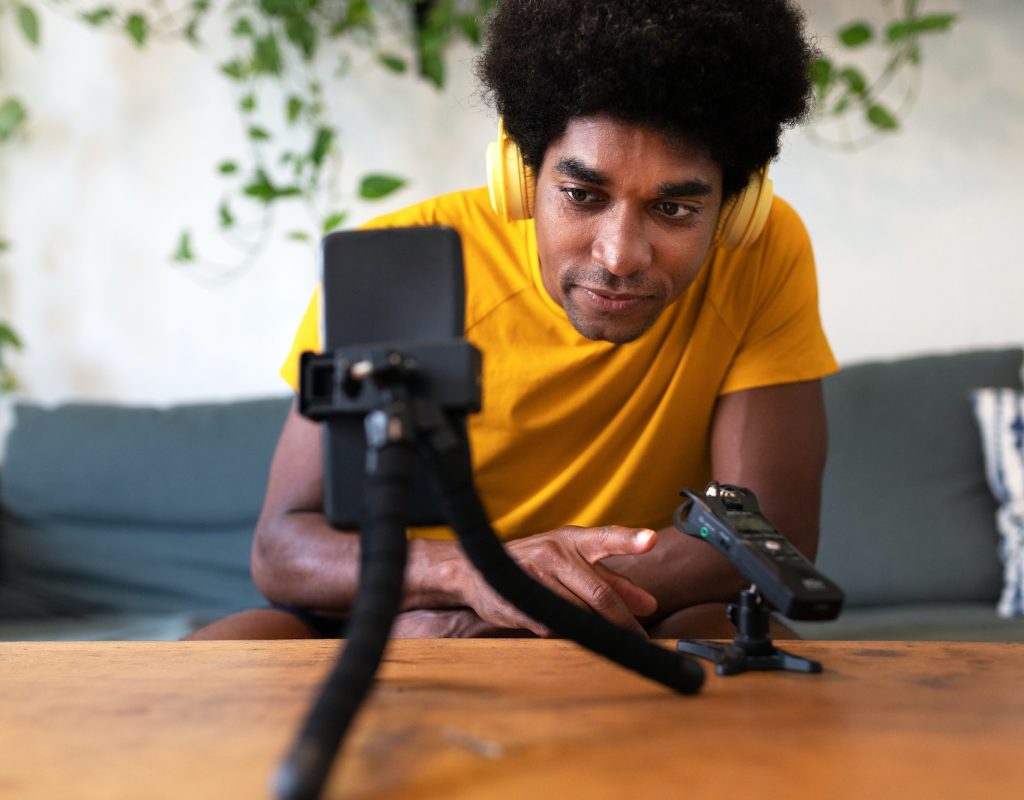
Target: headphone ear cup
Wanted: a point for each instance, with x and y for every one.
(745, 218)
(509, 180)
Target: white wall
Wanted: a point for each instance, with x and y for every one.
(916, 237)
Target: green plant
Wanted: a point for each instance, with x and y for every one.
(12, 118)
(281, 54)
(8, 341)
(864, 108)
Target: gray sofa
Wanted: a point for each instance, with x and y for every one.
(135, 523)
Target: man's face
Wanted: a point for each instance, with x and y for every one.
(625, 218)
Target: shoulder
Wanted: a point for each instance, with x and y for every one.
(784, 230)
(740, 282)
(783, 242)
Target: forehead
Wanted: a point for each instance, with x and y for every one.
(610, 145)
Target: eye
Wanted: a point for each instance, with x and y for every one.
(579, 196)
(672, 210)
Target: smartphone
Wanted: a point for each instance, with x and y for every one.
(395, 285)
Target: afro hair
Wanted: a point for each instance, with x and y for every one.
(726, 75)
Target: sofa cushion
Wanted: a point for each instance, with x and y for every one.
(907, 516)
(111, 509)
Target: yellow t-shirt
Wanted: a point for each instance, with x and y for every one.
(575, 431)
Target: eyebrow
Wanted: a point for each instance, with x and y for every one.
(578, 171)
(689, 188)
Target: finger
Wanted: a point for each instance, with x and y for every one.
(496, 610)
(637, 599)
(557, 588)
(612, 540)
(599, 596)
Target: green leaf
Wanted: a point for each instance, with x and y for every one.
(321, 145)
(298, 236)
(293, 108)
(432, 68)
(28, 21)
(881, 118)
(374, 187)
(137, 28)
(98, 16)
(266, 56)
(279, 8)
(470, 27)
(236, 70)
(301, 33)
(906, 28)
(227, 219)
(854, 79)
(262, 189)
(359, 14)
(192, 31)
(258, 134)
(392, 62)
(821, 74)
(8, 338)
(332, 221)
(936, 22)
(898, 31)
(227, 167)
(248, 103)
(4, 245)
(856, 34)
(184, 252)
(12, 115)
(243, 27)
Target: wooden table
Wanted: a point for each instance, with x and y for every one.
(512, 719)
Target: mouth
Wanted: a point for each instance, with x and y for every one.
(606, 300)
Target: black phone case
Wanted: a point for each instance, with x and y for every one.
(397, 285)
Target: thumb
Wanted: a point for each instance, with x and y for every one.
(595, 544)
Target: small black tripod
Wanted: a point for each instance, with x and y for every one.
(751, 649)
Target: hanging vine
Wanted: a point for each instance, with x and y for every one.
(853, 110)
(280, 54)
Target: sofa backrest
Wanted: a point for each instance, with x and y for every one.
(109, 509)
(907, 516)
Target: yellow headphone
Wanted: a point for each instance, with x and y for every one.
(510, 183)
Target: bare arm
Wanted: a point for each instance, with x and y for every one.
(772, 440)
(298, 559)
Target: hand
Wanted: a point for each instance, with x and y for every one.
(445, 623)
(567, 561)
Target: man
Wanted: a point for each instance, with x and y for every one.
(626, 353)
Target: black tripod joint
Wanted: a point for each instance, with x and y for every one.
(752, 649)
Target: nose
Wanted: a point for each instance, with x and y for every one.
(621, 244)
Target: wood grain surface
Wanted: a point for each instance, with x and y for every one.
(512, 719)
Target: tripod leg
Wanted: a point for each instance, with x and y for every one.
(794, 663)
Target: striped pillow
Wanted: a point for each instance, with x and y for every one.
(1000, 414)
